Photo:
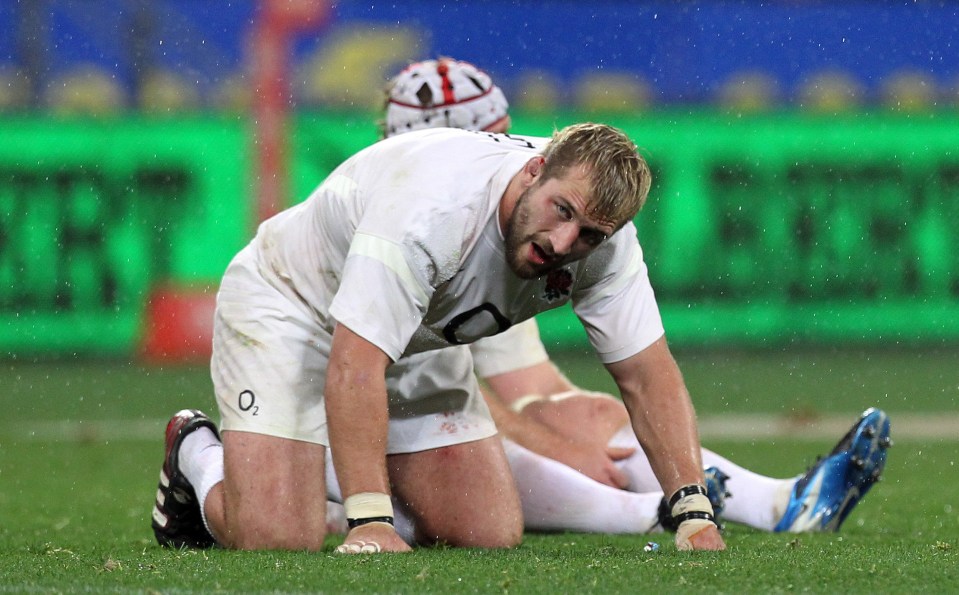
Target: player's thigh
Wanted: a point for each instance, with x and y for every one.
(267, 368)
(463, 494)
(274, 492)
(269, 360)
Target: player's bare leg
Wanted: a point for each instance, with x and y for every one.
(273, 495)
(581, 417)
(462, 495)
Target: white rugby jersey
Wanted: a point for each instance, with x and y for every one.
(519, 347)
(402, 245)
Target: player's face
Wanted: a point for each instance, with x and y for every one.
(549, 228)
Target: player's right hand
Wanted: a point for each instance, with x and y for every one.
(598, 462)
(706, 538)
(372, 538)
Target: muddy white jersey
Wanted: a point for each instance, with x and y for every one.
(402, 245)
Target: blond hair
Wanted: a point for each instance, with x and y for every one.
(619, 176)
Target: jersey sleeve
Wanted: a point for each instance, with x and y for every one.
(619, 311)
(418, 219)
(423, 200)
(517, 348)
(381, 297)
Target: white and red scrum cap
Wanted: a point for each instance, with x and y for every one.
(442, 93)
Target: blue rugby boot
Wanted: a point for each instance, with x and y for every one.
(825, 495)
(716, 490)
(177, 520)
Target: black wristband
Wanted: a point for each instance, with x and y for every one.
(686, 491)
(353, 523)
(695, 514)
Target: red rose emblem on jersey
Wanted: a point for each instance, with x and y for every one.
(558, 283)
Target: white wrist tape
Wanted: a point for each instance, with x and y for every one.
(557, 397)
(367, 505)
(525, 401)
(697, 504)
(692, 503)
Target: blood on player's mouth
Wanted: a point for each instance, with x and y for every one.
(540, 254)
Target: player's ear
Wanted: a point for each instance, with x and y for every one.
(534, 167)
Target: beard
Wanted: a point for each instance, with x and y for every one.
(518, 243)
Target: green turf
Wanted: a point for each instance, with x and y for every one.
(805, 380)
(74, 507)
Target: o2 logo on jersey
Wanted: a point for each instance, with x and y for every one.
(484, 320)
(558, 283)
(247, 402)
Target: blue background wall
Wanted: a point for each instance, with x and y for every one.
(685, 50)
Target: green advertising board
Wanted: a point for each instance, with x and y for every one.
(769, 229)
(93, 213)
(759, 230)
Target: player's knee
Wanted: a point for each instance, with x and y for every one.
(509, 537)
(503, 536)
(498, 542)
(598, 414)
(609, 412)
(268, 534)
(494, 524)
(504, 529)
(278, 541)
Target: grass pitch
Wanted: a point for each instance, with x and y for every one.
(81, 443)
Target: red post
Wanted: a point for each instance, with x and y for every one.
(178, 322)
(276, 23)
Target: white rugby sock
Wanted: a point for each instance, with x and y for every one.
(336, 518)
(757, 500)
(556, 497)
(201, 462)
(333, 492)
(636, 466)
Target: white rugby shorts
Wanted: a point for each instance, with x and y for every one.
(269, 365)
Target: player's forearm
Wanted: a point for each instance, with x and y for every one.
(542, 379)
(662, 415)
(667, 432)
(357, 414)
(524, 430)
(358, 423)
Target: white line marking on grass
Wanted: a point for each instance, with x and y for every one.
(727, 426)
(759, 426)
(86, 431)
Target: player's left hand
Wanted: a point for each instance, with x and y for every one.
(706, 538)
